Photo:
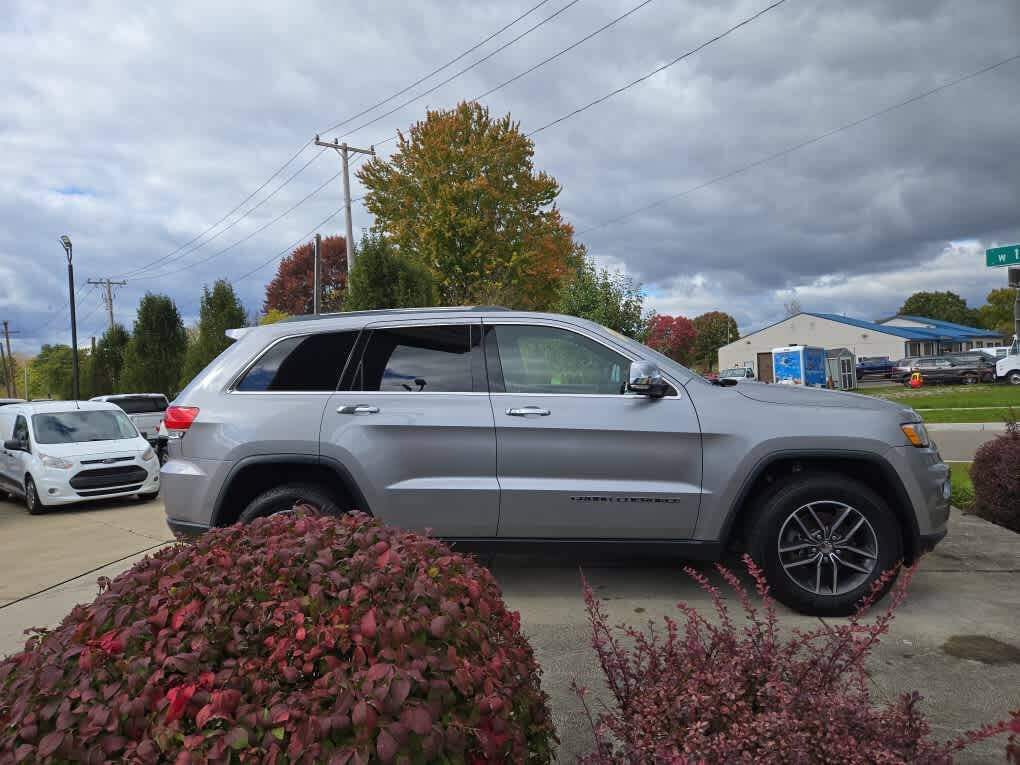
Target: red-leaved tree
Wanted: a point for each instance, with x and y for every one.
(672, 336)
(290, 290)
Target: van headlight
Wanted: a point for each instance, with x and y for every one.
(148, 454)
(55, 462)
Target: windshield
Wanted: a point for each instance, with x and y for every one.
(79, 427)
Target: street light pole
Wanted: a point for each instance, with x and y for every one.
(75, 389)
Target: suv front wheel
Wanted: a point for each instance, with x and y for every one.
(282, 499)
(822, 541)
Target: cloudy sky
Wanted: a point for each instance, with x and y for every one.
(134, 128)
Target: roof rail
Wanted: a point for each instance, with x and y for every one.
(397, 311)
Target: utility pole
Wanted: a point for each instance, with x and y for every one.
(12, 384)
(345, 151)
(108, 295)
(317, 275)
(7, 371)
(26, 383)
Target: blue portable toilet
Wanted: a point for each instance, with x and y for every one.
(799, 365)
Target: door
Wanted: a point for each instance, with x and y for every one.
(578, 457)
(765, 367)
(413, 424)
(6, 432)
(17, 461)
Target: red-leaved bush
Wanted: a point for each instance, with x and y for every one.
(722, 693)
(294, 639)
(995, 474)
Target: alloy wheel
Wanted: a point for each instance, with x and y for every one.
(828, 547)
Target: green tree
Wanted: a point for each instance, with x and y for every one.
(461, 195)
(945, 306)
(152, 359)
(50, 372)
(997, 313)
(219, 311)
(713, 330)
(611, 299)
(273, 315)
(385, 278)
(108, 360)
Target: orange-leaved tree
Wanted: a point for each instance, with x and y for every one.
(461, 195)
(290, 291)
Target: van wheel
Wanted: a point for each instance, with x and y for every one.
(32, 503)
(822, 540)
(282, 499)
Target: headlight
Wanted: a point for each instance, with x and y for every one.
(148, 454)
(916, 433)
(55, 462)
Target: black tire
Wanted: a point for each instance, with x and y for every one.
(281, 499)
(1013, 377)
(970, 380)
(829, 491)
(32, 503)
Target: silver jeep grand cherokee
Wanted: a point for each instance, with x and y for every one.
(508, 428)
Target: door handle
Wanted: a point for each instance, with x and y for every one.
(357, 409)
(525, 411)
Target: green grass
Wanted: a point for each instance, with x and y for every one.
(945, 403)
(963, 490)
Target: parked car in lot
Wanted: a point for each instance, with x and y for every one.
(61, 452)
(508, 429)
(944, 370)
(146, 412)
(875, 366)
(737, 373)
(983, 363)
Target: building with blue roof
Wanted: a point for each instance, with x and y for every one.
(895, 338)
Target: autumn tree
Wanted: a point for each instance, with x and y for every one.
(152, 359)
(945, 306)
(613, 300)
(997, 313)
(108, 360)
(671, 336)
(386, 278)
(219, 311)
(273, 315)
(712, 330)
(291, 289)
(461, 195)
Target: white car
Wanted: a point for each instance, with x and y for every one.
(61, 452)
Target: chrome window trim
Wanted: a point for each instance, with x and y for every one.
(569, 327)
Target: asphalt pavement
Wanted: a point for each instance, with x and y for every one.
(956, 639)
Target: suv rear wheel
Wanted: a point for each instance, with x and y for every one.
(282, 499)
(822, 541)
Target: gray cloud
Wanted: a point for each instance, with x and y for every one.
(167, 117)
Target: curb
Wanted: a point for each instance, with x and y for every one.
(991, 427)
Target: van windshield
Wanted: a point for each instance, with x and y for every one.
(81, 426)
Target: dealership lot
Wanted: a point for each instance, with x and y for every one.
(968, 588)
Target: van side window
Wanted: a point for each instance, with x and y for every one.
(20, 429)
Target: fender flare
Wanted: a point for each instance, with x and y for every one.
(903, 507)
(341, 470)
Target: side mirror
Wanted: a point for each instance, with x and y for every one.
(14, 445)
(646, 379)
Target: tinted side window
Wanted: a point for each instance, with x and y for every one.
(305, 363)
(550, 360)
(432, 359)
(20, 429)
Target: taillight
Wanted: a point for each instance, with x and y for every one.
(180, 417)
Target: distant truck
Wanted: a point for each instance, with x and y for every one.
(799, 365)
(1008, 367)
(875, 366)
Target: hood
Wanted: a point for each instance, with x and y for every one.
(122, 447)
(798, 395)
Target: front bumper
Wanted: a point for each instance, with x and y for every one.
(925, 478)
(54, 488)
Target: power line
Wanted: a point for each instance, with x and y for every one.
(805, 143)
(292, 247)
(434, 72)
(245, 214)
(655, 71)
(468, 68)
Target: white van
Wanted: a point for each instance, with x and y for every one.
(61, 452)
